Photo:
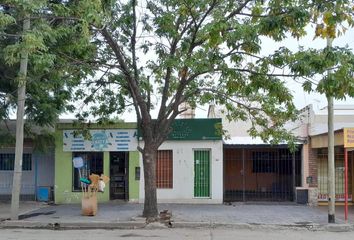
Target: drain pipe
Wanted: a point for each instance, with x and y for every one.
(293, 176)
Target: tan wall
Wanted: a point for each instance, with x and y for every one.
(321, 141)
(336, 118)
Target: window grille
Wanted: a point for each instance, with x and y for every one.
(164, 169)
(7, 162)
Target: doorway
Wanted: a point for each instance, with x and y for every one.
(119, 175)
(202, 173)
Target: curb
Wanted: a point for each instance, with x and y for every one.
(258, 226)
(142, 225)
(71, 225)
(339, 228)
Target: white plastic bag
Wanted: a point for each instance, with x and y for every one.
(101, 186)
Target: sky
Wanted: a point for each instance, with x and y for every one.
(301, 99)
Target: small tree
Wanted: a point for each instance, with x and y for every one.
(36, 57)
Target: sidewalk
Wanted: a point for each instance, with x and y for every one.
(126, 215)
(25, 207)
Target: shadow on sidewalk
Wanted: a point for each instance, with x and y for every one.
(35, 214)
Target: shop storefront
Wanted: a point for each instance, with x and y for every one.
(189, 164)
(322, 173)
(109, 150)
(344, 164)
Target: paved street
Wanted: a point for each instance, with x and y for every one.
(171, 234)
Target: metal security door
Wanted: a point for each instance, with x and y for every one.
(119, 176)
(201, 173)
(261, 174)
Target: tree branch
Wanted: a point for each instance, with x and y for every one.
(193, 76)
(262, 16)
(169, 70)
(238, 10)
(133, 42)
(133, 85)
(178, 99)
(11, 35)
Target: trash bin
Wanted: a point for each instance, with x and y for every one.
(43, 194)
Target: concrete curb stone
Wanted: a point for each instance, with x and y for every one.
(72, 225)
(339, 228)
(191, 224)
(156, 225)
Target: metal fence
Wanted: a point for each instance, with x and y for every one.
(261, 174)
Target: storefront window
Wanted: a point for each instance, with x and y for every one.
(93, 163)
(322, 173)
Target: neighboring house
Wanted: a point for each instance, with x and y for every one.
(316, 158)
(255, 170)
(189, 164)
(37, 179)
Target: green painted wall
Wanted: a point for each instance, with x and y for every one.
(194, 129)
(64, 173)
(104, 197)
(133, 184)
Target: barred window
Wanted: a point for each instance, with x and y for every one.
(264, 162)
(7, 162)
(164, 169)
(272, 161)
(322, 173)
(93, 163)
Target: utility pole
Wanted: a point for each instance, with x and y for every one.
(331, 173)
(21, 95)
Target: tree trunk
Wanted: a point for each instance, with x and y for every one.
(149, 162)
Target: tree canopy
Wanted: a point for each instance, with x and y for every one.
(156, 55)
(329, 71)
(53, 42)
(160, 54)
